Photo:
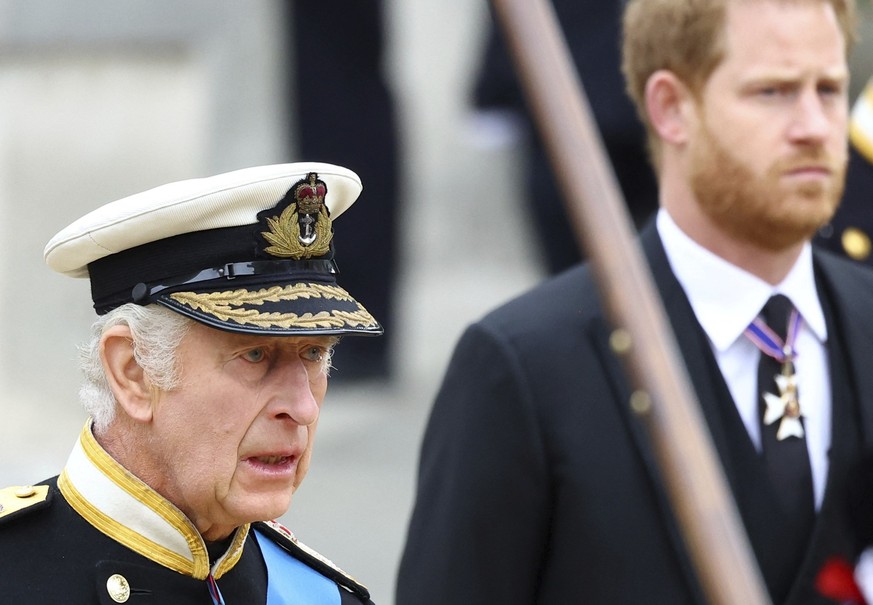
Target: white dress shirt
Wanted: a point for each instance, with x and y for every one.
(725, 300)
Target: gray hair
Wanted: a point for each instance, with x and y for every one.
(156, 332)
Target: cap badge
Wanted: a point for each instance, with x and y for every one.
(303, 229)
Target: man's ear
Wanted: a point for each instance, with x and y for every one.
(669, 104)
(128, 382)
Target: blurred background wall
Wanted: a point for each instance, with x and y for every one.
(100, 99)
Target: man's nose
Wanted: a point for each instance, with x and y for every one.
(814, 117)
(292, 397)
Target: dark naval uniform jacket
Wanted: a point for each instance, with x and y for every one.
(97, 535)
(537, 484)
(850, 232)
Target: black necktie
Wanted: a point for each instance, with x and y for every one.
(785, 460)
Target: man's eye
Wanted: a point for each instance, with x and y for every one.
(830, 89)
(773, 91)
(783, 90)
(314, 353)
(255, 355)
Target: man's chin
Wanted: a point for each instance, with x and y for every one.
(803, 213)
(783, 234)
(263, 507)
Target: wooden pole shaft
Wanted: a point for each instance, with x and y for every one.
(701, 499)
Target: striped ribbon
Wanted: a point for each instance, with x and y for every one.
(770, 343)
(217, 599)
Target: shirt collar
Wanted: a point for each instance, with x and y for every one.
(127, 510)
(712, 285)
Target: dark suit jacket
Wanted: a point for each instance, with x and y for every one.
(537, 485)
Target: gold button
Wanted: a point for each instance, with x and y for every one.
(620, 341)
(856, 243)
(25, 491)
(118, 588)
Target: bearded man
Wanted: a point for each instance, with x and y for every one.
(537, 483)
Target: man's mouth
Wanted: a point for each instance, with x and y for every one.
(272, 460)
(810, 170)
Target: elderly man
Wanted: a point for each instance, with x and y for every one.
(537, 483)
(219, 309)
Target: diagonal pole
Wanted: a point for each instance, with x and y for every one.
(699, 494)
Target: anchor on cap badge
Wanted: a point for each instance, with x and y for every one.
(303, 229)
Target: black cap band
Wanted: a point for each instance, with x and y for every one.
(116, 278)
(313, 269)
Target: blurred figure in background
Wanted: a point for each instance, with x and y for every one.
(592, 30)
(851, 230)
(343, 111)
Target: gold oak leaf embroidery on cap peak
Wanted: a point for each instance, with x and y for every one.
(229, 306)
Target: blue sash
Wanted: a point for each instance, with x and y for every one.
(290, 582)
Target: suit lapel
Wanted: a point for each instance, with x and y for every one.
(844, 289)
(691, 340)
(599, 332)
(692, 345)
(850, 295)
(688, 337)
(849, 292)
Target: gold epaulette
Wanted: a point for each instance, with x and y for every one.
(20, 497)
(861, 126)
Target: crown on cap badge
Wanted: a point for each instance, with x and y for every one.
(303, 229)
